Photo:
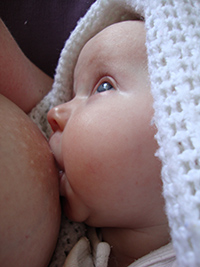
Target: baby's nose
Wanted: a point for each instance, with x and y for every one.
(58, 117)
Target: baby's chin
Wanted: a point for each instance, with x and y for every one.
(29, 194)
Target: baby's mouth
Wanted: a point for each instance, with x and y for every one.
(61, 175)
(63, 183)
(61, 172)
(59, 168)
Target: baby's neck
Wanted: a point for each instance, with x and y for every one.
(128, 245)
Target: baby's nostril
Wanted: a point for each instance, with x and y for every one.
(54, 125)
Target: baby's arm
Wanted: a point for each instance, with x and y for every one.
(20, 80)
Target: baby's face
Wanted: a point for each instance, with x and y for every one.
(103, 138)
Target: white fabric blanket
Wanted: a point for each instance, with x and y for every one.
(173, 47)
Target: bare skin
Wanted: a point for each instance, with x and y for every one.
(20, 80)
(104, 142)
(29, 195)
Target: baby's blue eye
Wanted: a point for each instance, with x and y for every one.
(105, 86)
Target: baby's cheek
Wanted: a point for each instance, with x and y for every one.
(94, 154)
(81, 167)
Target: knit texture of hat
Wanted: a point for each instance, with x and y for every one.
(173, 48)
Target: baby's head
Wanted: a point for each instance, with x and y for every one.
(103, 138)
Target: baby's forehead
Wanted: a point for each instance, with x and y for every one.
(116, 40)
(120, 42)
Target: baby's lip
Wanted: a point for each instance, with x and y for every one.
(54, 143)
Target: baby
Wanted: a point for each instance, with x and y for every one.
(104, 143)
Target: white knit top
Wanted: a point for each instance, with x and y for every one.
(173, 48)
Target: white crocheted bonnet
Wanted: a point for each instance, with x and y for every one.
(173, 47)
